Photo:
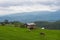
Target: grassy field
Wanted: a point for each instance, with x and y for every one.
(15, 33)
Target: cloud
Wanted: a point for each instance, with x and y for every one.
(18, 6)
(7, 3)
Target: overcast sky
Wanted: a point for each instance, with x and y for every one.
(18, 6)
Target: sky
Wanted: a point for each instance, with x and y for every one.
(19, 6)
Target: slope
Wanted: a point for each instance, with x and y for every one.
(15, 33)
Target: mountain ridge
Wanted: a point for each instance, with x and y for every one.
(32, 16)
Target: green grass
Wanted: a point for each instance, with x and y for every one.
(15, 33)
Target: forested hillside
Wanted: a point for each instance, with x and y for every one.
(48, 25)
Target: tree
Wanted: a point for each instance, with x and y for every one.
(2, 23)
(18, 24)
(6, 21)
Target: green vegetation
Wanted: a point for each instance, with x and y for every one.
(48, 25)
(16, 31)
(8, 32)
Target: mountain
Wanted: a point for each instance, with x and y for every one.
(33, 16)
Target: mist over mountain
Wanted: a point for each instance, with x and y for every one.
(33, 16)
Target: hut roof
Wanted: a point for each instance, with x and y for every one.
(31, 24)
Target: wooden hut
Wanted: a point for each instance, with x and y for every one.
(30, 25)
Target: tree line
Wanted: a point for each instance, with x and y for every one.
(48, 25)
(14, 23)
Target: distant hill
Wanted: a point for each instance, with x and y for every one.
(33, 16)
(49, 25)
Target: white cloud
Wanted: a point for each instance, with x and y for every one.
(18, 6)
